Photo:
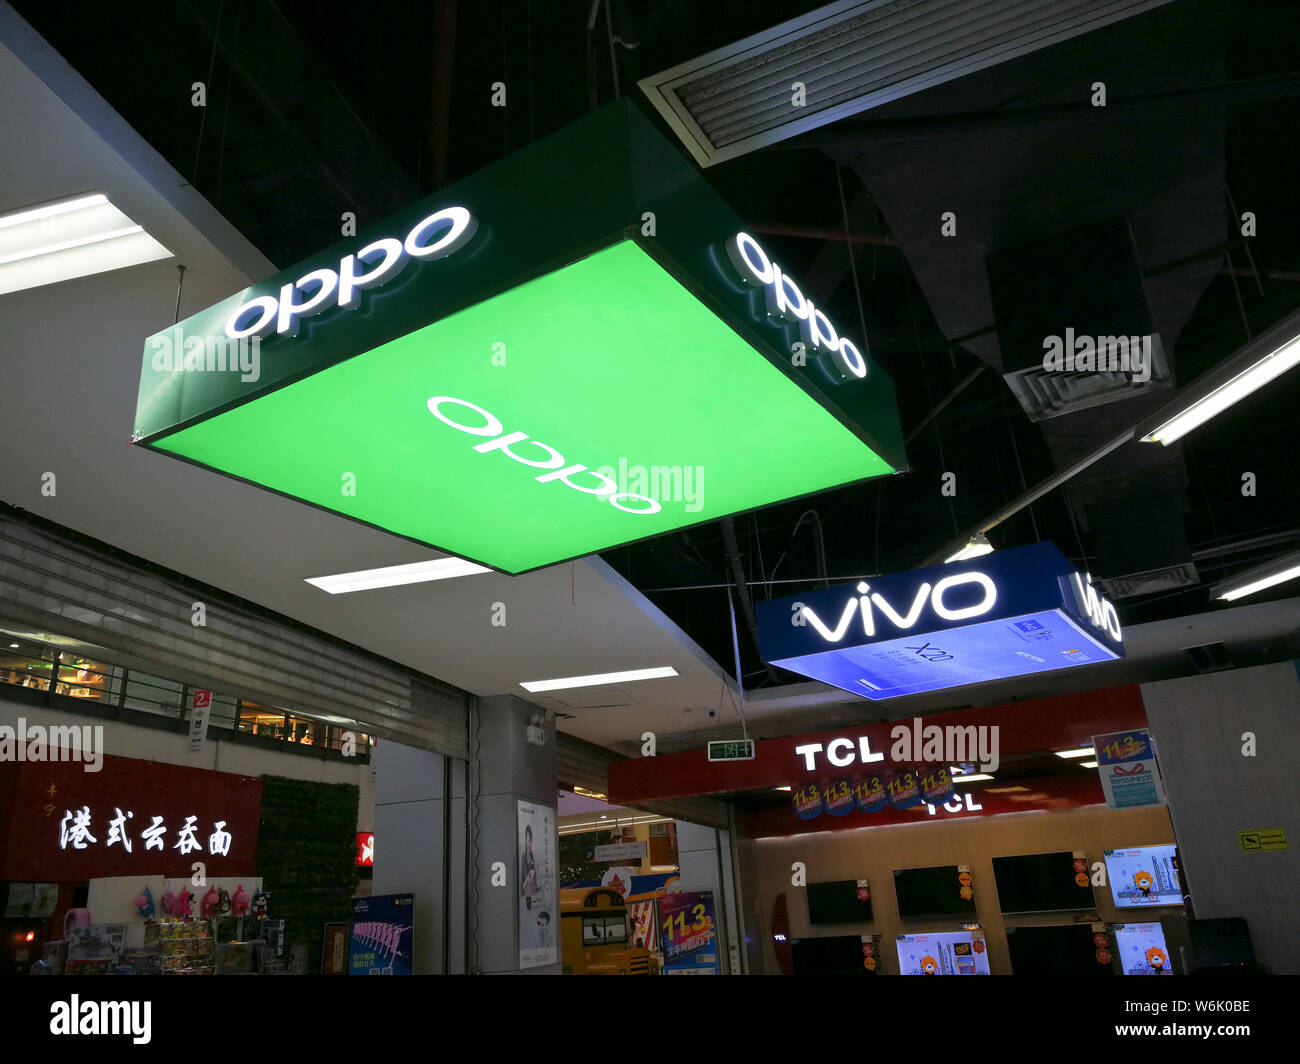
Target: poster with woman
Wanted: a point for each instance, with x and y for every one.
(538, 913)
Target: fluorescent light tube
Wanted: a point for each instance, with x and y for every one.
(70, 238)
(595, 679)
(1087, 764)
(395, 575)
(978, 546)
(1261, 361)
(1082, 751)
(974, 777)
(1278, 571)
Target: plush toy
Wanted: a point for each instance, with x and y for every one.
(211, 901)
(239, 903)
(144, 903)
(178, 904)
(259, 904)
(223, 901)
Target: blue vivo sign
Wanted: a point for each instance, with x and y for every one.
(1009, 613)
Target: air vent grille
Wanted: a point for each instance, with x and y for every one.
(852, 56)
(1169, 578)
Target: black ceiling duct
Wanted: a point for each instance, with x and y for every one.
(1074, 325)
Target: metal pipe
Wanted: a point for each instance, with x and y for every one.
(1036, 492)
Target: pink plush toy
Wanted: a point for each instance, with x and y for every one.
(239, 903)
(210, 904)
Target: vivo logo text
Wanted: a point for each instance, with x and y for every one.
(869, 606)
(1097, 609)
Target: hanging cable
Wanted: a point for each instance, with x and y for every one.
(203, 118)
(1245, 242)
(613, 62)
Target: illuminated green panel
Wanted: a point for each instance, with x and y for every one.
(609, 360)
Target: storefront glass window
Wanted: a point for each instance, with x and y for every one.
(81, 677)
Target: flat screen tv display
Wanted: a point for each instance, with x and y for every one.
(1042, 883)
(1143, 875)
(1059, 949)
(1142, 949)
(834, 955)
(943, 953)
(933, 892)
(1221, 943)
(838, 903)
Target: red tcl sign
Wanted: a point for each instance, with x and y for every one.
(365, 849)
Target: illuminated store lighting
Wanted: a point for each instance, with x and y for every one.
(1278, 571)
(394, 575)
(67, 239)
(978, 546)
(1262, 360)
(595, 679)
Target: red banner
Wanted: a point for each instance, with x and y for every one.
(60, 823)
(1055, 723)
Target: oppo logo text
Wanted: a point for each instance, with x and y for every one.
(786, 303)
(579, 477)
(435, 237)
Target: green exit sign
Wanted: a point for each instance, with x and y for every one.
(732, 750)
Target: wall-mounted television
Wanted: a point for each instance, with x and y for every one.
(839, 902)
(1042, 883)
(933, 892)
(1142, 949)
(943, 953)
(1143, 875)
(1221, 943)
(834, 955)
(1058, 949)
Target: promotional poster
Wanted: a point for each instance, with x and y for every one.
(381, 938)
(538, 913)
(690, 933)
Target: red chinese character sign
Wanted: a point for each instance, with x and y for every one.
(61, 823)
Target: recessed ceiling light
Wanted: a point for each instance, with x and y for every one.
(783, 788)
(13, 646)
(70, 238)
(595, 679)
(1082, 751)
(1087, 764)
(394, 575)
(974, 778)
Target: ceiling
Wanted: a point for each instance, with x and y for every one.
(300, 128)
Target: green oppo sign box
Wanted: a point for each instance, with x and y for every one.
(576, 348)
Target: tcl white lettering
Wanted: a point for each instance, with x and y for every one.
(786, 303)
(435, 237)
(934, 595)
(543, 455)
(958, 803)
